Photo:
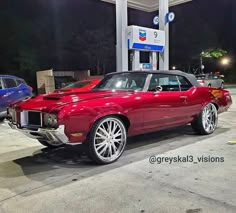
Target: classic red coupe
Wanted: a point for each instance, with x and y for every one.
(121, 105)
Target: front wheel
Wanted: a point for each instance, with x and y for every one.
(207, 120)
(107, 140)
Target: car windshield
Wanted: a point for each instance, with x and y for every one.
(78, 84)
(123, 81)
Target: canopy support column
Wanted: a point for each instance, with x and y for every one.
(121, 36)
(164, 57)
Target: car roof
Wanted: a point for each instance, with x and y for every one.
(10, 76)
(190, 77)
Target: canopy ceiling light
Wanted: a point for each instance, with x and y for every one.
(148, 5)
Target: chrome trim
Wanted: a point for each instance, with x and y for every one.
(147, 82)
(24, 118)
(52, 136)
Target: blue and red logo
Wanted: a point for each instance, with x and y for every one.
(142, 35)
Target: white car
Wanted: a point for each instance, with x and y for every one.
(210, 80)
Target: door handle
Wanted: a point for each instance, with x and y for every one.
(183, 97)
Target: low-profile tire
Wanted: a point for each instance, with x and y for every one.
(51, 146)
(206, 121)
(107, 140)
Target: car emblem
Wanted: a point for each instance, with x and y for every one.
(142, 35)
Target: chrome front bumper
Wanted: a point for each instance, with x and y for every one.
(52, 136)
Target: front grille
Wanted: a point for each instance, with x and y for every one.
(34, 118)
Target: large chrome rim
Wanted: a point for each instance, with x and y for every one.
(110, 139)
(209, 118)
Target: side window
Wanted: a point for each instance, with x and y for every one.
(184, 83)
(19, 82)
(165, 81)
(9, 82)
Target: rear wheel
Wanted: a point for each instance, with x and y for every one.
(207, 120)
(107, 140)
(51, 145)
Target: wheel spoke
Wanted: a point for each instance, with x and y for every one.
(117, 141)
(103, 131)
(100, 136)
(114, 128)
(109, 150)
(119, 133)
(100, 145)
(103, 150)
(114, 147)
(109, 127)
(110, 139)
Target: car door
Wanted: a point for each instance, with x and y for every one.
(14, 92)
(217, 81)
(169, 105)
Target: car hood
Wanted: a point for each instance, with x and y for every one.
(55, 101)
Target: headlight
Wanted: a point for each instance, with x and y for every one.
(50, 120)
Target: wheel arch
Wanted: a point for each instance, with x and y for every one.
(210, 102)
(121, 116)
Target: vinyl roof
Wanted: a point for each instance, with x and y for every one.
(148, 5)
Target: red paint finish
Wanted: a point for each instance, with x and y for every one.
(141, 111)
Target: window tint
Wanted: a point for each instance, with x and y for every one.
(9, 82)
(184, 83)
(167, 82)
(78, 84)
(19, 82)
(125, 81)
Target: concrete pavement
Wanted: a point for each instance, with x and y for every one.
(33, 179)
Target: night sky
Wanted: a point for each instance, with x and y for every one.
(80, 34)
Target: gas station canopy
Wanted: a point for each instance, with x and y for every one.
(148, 5)
(164, 18)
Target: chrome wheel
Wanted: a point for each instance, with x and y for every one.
(209, 118)
(109, 139)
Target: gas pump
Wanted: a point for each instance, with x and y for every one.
(148, 40)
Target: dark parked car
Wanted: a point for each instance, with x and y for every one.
(12, 89)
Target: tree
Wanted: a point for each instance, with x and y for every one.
(213, 53)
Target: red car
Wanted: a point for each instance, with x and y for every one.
(121, 105)
(80, 86)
